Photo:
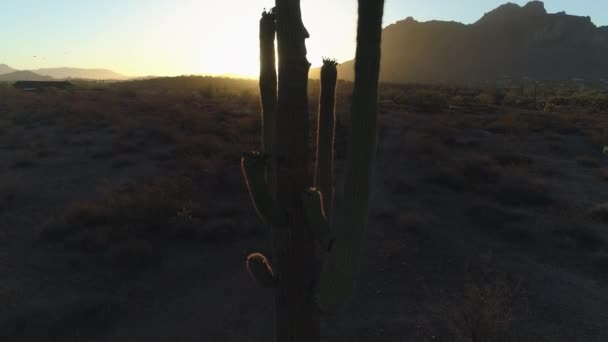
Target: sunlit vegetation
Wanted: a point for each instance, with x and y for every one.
(127, 177)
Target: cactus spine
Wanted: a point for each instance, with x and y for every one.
(315, 267)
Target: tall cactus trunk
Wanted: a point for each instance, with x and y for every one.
(324, 171)
(298, 319)
(343, 262)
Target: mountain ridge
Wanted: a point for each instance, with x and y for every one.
(63, 73)
(67, 72)
(23, 76)
(510, 41)
(5, 69)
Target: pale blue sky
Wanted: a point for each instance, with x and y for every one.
(173, 37)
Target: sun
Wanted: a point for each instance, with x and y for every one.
(227, 46)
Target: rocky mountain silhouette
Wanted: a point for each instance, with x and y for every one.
(5, 69)
(511, 41)
(93, 74)
(23, 76)
(60, 73)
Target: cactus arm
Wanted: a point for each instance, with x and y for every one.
(260, 271)
(340, 268)
(324, 171)
(316, 218)
(268, 78)
(268, 93)
(253, 165)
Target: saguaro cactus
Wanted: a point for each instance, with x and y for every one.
(316, 260)
(324, 172)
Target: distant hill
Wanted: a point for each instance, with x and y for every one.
(93, 74)
(511, 41)
(5, 69)
(23, 76)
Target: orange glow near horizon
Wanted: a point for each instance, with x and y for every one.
(160, 38)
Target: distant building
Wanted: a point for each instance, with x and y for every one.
(42, 85)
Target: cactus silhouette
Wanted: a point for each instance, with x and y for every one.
(316, 253)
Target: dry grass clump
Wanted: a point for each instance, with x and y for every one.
(600, 213)
(12, 192)
(588, 162)
(486, 308)
(604, 173)
(137, 221)
(520, 189)
(600, 260)
(578, 237)
(493, 216)
(472, 172)
(512, 159)
(24, 159)
(414, 223)
(509, 123)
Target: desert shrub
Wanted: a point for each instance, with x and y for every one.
(599, 137)
(600, 213)
(134, 253)
(578, 237)
(514, 99)
(424, 100)
(494, 98)
(415, 224)
(130, 217)
(604, 173)
(12, 192)
(594, 101)
(512, 159)
(523, 190)
(470, 172)
(485, 309)
(491, 216)
(600, 260)
(509, 123)
(588, 162)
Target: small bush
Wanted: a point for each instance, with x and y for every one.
(512, 159)
(485, 309)
(523, 190)
(604, 173)
(423, 100)
(24, 159)
(600, 213)
(580, 237)
(600, 260)
(510, 123)
(588, 162)
(12, 192)
(134, 253)
(492, 216)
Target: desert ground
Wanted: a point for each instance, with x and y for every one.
(124, 216)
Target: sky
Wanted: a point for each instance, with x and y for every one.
(181, 37)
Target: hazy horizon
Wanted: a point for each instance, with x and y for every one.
(137, 38)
